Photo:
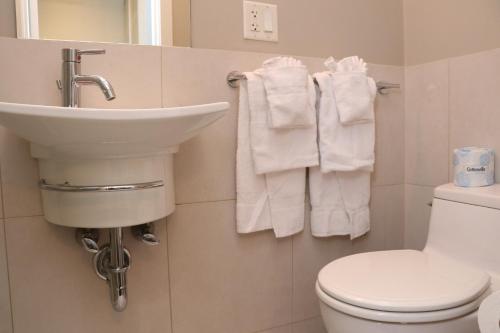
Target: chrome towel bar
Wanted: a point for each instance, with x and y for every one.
(234, 78)
(66, 187)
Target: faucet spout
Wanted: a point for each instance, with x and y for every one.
(98, 80)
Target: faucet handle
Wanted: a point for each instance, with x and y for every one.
(88, 239)
(145, 233)
(91, 52)
(74, 55)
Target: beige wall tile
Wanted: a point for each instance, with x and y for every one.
(449, 28)
(393, 212)
(33, 77)
(426, 124)
(281, 329)
(390, 135)
(474, 103)
(310, 254)
(222, 282)
(387, 220)
(54, 287)
(205, 165)
(19, 174)
(5, 313)
(133, 70)
(417, 215)
(313, 325)
(32, 68)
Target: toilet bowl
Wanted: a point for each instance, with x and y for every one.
(437, 290)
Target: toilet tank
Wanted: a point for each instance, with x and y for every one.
(465, 225)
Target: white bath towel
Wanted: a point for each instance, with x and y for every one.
(342, 147)
(339, 203)
(340, 188)
(277, 149)
(354, 91)
(288, 88)
(268, 201)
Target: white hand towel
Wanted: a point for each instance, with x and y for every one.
(270, 201)
(339, 203)
(342, 147)
(288, 90)
(277, 149)
(354, 91)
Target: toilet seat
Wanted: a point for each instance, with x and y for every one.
(400, 317)
(402, 286)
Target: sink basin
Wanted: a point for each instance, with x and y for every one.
(101, 133)
(104, 168)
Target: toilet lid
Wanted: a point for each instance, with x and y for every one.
(402, 281)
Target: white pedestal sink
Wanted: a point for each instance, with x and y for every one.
(106, 168)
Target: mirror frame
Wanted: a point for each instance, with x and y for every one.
(27, 21)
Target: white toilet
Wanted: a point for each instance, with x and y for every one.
(435, 290)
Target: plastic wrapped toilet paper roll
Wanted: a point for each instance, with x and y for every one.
(474, 166)
(488, 314)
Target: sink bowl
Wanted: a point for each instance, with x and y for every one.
(106, 168)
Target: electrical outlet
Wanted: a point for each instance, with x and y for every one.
(260, 21)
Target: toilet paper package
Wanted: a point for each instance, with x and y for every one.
(488, 315)
(474, 166)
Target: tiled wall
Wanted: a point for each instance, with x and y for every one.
(449, 104)
(203, 277)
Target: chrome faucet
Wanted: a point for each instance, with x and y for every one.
(72, 77)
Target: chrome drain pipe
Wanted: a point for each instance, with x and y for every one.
(117, 270)
(111, 263)
(112, 260)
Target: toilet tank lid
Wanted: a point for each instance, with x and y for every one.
(487, 196)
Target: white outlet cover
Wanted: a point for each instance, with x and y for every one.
(260, 21)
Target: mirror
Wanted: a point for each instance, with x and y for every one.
(150, 22)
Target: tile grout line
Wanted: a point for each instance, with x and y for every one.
(163, 75)
(448, 62)
(202, 202)
(420, 185)
(25, 216)
(292, 278)
(9, 282)
(405, 115)
(288, 324)
(8, 277)
(234, 199)
(169, 284)
(2, 191)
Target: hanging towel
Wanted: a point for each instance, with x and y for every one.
(277, 149)
(354, 91)
(339, 203)
(288, 88)
(342, 147)
(267, 201)
(340, 188)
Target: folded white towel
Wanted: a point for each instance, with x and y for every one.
(342, 147)
(340, 188)
(288, 89)
(277, 149)
(270, 201)
(354, 91)
(339, 203)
